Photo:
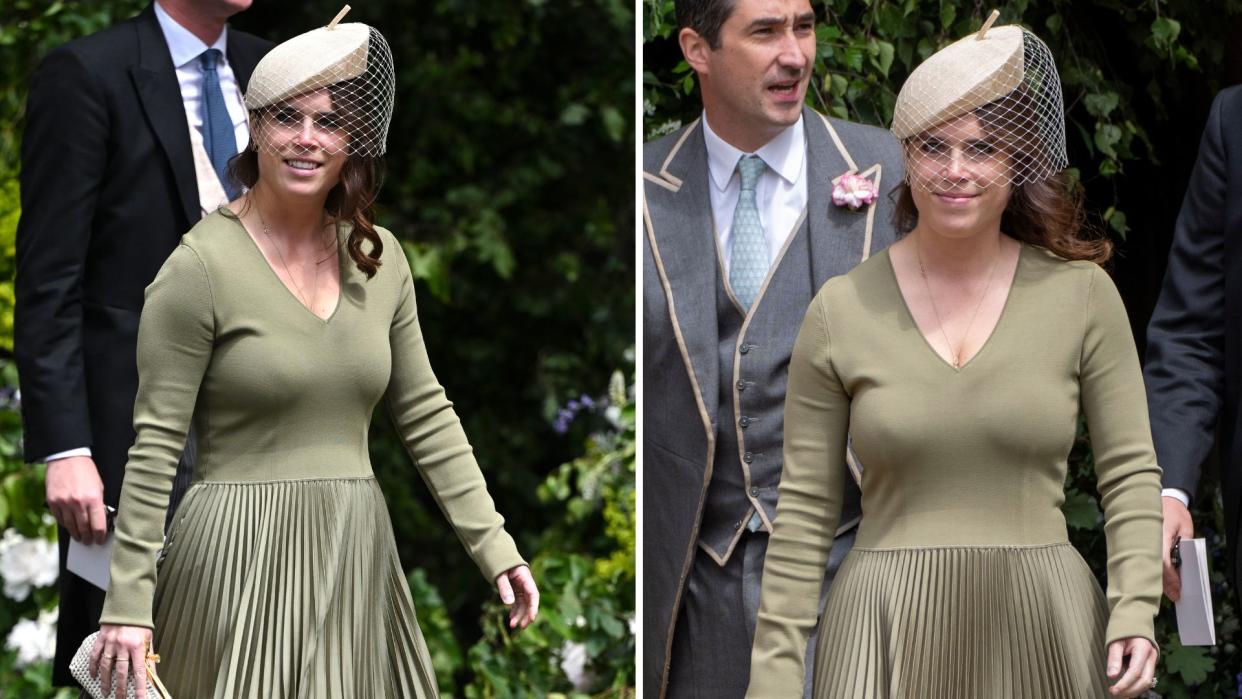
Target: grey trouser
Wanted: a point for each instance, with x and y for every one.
(711, 645)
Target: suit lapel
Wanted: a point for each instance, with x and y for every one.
(839, 238)
(679, 224)
(155, 79)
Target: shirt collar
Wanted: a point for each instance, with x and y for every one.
(784, 154)
(182, 44)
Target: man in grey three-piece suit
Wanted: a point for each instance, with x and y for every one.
(740, 233)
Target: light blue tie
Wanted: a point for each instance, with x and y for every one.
(218, 136)
(748, 263)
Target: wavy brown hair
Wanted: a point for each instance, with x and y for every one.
(1047, 211)
(351, 200)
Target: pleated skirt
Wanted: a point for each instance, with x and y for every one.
(287, 589)
(963, 623)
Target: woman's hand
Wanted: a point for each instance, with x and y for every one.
(120, 653)
(1137, 677)
(519, 580)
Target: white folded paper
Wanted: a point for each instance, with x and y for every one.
(1195, 622)
(91, 562)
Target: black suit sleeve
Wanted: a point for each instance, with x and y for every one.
(64, 159)
(1186, 337)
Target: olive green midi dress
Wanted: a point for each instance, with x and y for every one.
(962, 583)
(280, 576)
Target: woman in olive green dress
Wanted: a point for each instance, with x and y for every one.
(277, 326)
(958, 361)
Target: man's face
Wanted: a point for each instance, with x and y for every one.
(754, 82)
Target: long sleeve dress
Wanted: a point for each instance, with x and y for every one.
(280, 576)
(962, 582)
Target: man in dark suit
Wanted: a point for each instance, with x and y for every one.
(740, 233)
(1194, 342)
(115, 124)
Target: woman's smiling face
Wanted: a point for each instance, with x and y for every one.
(302, 145)
(959, 177)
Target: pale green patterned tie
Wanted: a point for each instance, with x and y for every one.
(748, 248)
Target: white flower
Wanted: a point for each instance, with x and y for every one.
(26, 563)
(580, 621)
(573, 664)
(613, 414)
(34, 640)
(633, 624)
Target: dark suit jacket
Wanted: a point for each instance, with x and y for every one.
(107, 190)
(681, 376)
(1194, 341)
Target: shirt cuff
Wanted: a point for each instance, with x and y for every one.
(1177, 494)
(80, 451)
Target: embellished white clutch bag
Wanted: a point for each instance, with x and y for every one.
(80, 668)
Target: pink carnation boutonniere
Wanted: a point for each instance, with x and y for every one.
(854, 191)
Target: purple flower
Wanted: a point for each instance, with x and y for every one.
(586, 401)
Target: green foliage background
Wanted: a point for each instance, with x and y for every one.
(509, 181)
(1137, 79)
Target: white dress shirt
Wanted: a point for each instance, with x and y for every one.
(185, 49)
(780, 194)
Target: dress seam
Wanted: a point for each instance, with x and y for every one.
(284, 480)
(975, 547)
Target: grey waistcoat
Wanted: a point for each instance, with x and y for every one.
(754, 367)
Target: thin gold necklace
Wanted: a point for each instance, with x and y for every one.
(281, 256)
(957, 354)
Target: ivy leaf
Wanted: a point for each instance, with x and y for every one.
(885, 60)
(1164, 31)
(1106, 137)
(1192, 663)
(574, 114)
(1080, 510)
(854, 58)
(1118, 223)
(1101, 104)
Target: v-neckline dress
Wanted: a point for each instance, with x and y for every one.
(962, 582)
(280, 575)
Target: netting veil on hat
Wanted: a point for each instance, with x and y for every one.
(987, 108)
(337, 80)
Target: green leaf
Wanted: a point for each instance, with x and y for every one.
(1192, 663)
(839, 85)
(1107, 136)
(885, 60)
(574, 114)
(1164, 31)
(948, 13)
(1118, 223)
(854, 58)
(614, 122)
(1101, 104)
(1053, 23)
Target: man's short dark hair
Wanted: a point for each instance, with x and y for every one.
(705, 17)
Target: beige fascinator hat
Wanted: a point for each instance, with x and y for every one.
(1005, 77)
(351, 63)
